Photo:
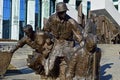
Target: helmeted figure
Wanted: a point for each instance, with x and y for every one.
(64, 30)
(85, 62)
(60, 7)
(38, 41)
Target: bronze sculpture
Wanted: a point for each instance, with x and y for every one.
(38, 41)
(85, 63)
(64, 30)
(5, 58)
(55, 52)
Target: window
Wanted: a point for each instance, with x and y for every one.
(116, 6)
(115, 0)
(77, 4)
(6, 9)
(88, 5)
(6, 18)
(22, 10)
(65, 1)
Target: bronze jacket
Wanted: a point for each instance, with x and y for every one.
(63, 29)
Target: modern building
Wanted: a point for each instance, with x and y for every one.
(117, 4)
(15, 14)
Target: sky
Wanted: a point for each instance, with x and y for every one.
(6, 9)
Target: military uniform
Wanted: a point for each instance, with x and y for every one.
(42, 45)
(64, 30)
(85, 63)
(64, 39)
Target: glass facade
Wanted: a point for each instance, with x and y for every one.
(52, 8)
(116, 6)
(22, 17)
(6, 18)
(36, 12)
(77, 4)
(115, 0)
(6, 9)
(88, 7)
(65, 1)
(23, 14)
(22, 10)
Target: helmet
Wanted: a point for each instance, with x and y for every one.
(61, 6)
(28, 28)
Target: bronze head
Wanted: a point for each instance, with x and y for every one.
(40, 37)
(90, 42)
(28, 30)
(61, 9)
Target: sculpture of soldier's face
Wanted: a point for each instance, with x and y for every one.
(40, 38)
(90, 46)
(90, 43)
(28, 31)
(62, 14)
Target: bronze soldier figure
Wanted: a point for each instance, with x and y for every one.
(62, 27)
(38, 41)
(85, 63)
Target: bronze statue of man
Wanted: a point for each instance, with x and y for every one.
(27, 39)
(38, 41)
(85, 63)
(64, 30)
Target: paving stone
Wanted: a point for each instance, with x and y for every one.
(110, 62)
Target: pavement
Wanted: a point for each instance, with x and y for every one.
(110, 64)
(21, 74)
(19, 60)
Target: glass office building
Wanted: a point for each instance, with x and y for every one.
(117, 4)
(6, 15)
(15, 14)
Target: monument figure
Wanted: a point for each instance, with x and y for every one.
(85, 63)
(56, 52)
(39, 41)
(64, 30)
